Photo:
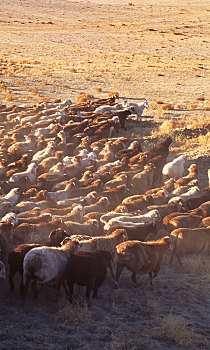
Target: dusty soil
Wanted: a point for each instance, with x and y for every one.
(57, 49)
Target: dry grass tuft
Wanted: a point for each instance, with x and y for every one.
(166, 107)
(191, 106)
(74, 315)
(7, 95)
(178, 106)
(167, 126)
(121, 341)
(153, 106)
(82, 97)
(200, 98)
(44, 99)
(176, 329)
(111, 94)
(206, 108)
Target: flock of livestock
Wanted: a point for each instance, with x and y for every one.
(77, 198)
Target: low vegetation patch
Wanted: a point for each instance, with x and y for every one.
(74, 314)
(176, 329)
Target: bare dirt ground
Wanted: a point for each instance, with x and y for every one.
(155, 49)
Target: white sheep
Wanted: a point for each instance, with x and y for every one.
(108, 108)
(45, 264)
(175, 168)
(30, 173)
(45, 153)
(11, 197)
(191, 193)
(123, 220)
(10, 217)
(138, 108)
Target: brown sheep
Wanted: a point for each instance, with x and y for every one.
(161, 150)
(142, 181)
(193, 203)
(193, 174)
(89, 228)
(206, 222)
(131, 205)
(203, 210)
(189, 241)
(22, 232)
(102, 205)
(170, 216)
(185, 221)
(107, 242)
(165, 209)
(115, 195)
(142, 257)
(138, 232)
(87, 269)
(4, 246)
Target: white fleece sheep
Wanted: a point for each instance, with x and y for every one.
(175, 168)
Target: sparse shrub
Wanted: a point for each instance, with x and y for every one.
(168, 126)
(191, 106)
(110, 94)
(20, 82)
(166, 107)
(200, 98)
(206, 108)
(44, 99)
(82, 97)
(153, 106)
(121, 341)
(74, 314)
(175, 328)
(178, 106)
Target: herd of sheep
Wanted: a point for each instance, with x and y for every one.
(77, 197)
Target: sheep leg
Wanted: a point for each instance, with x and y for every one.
(71, 288)
(118, 272)
(111, 270)
(65, 288)
(25, 288)
(34, 289)
(21, 284)
(172, 256)
(88, 290)
(95, 292)
(12, 272)
(133, 277)
(150, 278)
(178, 258)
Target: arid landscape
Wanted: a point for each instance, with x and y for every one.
(81, 50)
